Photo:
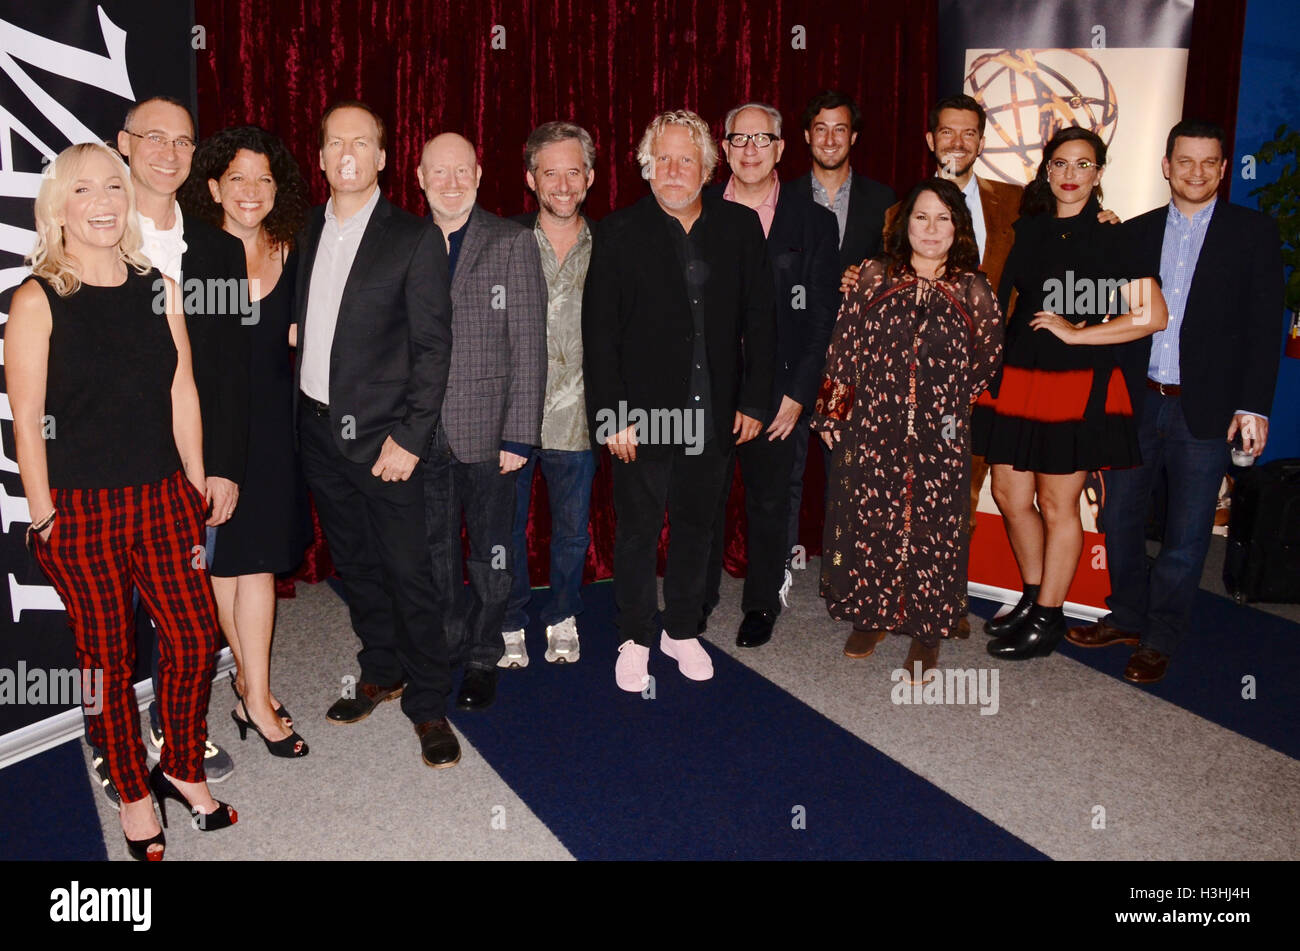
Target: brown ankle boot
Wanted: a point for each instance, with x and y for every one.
(928, 657)
(862, 642)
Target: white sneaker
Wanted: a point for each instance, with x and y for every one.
(562, 642)
(785, 588)
(516, 654)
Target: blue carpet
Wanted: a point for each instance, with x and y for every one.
(49, 809)
(718, 770)
(1227, 642)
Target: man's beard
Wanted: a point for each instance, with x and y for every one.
(554, 212)
(954, 171)
(679, 205)
(820, 162)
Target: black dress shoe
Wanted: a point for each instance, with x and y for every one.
(1000, 627)
(755, 629)
(477, 690)
(439, 747)
(1036, 637)
(369, 696)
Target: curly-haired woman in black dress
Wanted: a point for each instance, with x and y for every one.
(1061, 409)
(245, 181)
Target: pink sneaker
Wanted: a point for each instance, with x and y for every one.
(692, 659)
(632, 669)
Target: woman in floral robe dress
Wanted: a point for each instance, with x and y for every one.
(917, 340)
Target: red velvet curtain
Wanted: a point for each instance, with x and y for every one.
(1214, 68)
(493, 71)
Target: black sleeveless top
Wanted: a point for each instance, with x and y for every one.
(108, 386)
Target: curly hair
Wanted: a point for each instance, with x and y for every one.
(692, 123)
(964, 254)
(214, 156)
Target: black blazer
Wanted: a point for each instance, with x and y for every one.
(868, 202)
(392, 341)
(802, 247)
(215, 313)
(637, 328)
(1231, 334)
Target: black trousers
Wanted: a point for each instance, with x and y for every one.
(376, 535)
(765, 471)
(689, 486)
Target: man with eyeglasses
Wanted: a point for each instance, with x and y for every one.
(802, 242)
(157, 141)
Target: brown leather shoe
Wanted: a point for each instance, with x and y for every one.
(1146, 666)
(1101, 634)
(369, 696)
(962, 630)
(928, 657)
(439, 747)
(862, 643)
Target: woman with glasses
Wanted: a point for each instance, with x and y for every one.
(1060, 409)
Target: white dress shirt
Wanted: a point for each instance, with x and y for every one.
(335, 253)
(972, 193)
(164, 248)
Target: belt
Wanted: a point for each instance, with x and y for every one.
(314, 406)
(1164, 389)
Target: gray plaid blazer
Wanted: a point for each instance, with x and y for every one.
(497, 383)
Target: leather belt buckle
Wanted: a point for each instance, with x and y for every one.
(1164, 389)
(315, 406)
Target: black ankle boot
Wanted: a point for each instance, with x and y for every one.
(1000, 627)
(1038, 636)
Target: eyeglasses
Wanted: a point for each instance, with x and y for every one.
(183, 143)
(1060, 165)
(762, 140)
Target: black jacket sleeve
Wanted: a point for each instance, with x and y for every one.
(428, 309)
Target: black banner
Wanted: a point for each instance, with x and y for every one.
(68, 73)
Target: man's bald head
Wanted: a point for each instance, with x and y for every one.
(449, 176)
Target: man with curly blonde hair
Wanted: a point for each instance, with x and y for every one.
(679, 326)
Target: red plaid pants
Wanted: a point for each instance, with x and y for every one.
(104, 543)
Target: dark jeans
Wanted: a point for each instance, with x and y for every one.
(487, 499)
(765, 470)
(799, 441)
(375, 531)
(1160, 607)
(568, 476)
(689, 486)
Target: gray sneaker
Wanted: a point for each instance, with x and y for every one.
(101, 770)
(562, 642)
(217, 764)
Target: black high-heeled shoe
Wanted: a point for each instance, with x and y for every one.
(291, 747)
(1002, 626)
(139, 848)
(1038, 636)
(163, 789)
(281, 711)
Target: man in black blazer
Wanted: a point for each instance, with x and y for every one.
(830, 127)
(678, 339)
(374, 319)
(801, 247)
(1203, 380)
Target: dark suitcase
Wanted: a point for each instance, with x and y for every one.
(1263, 558)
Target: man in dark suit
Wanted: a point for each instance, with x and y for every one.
(831, 123)
(374, 321)
(1205, 379)
(157, 140)
(492, 415)
(678, 336)
(801, 247)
